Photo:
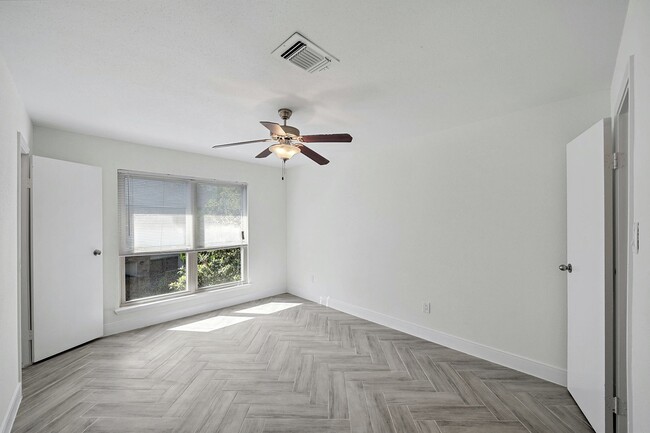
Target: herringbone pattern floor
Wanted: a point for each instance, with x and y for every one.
(307, 368)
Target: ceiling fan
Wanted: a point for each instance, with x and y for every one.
(289, 142)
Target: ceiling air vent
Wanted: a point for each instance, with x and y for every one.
(305, 54)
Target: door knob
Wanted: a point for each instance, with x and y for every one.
(567, 268)
(97, 252)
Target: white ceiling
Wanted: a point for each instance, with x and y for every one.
(193, 73)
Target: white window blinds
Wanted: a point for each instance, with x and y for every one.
(160, 214)
(220, 211)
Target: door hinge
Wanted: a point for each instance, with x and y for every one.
(618, 406)
(28, 183)
(30, 335)
(615, 161)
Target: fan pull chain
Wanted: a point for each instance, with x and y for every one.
(284, 162)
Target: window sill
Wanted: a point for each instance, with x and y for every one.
(177, 299)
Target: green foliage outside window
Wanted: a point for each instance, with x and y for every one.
(181, 282)
(219, 267)
(214, 268)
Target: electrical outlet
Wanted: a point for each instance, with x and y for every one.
(426, 307)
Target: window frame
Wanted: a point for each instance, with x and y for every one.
(191, 262)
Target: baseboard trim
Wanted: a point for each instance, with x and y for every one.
(507, 359)
(210, 301)
(12, 410)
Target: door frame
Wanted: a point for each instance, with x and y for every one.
(626, 90)
(23, 151)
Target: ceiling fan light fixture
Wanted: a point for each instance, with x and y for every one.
(284, 151)
(290, 142)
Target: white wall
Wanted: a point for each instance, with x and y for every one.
(13, 119)
(472, 219)
(636, 41)
(267, 222)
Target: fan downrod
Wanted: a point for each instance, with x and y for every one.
(285, 114)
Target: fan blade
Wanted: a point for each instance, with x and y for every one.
(326, 138)
(263, 154)
(316, 157)
(275, 128)
(242, 142)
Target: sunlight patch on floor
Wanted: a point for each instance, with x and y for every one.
(211, 324)
(270, 308)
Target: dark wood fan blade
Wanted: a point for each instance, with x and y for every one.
(263, 154)
(242, 142)
(326, 138)
(275, 128)
(316, 157)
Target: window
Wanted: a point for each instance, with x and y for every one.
(180, 236)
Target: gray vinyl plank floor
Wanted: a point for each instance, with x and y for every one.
(284, 364)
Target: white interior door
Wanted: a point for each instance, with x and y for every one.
(66, 218)
(588, 239)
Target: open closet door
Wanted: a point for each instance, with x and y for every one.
(66, 222)
(589, 276)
